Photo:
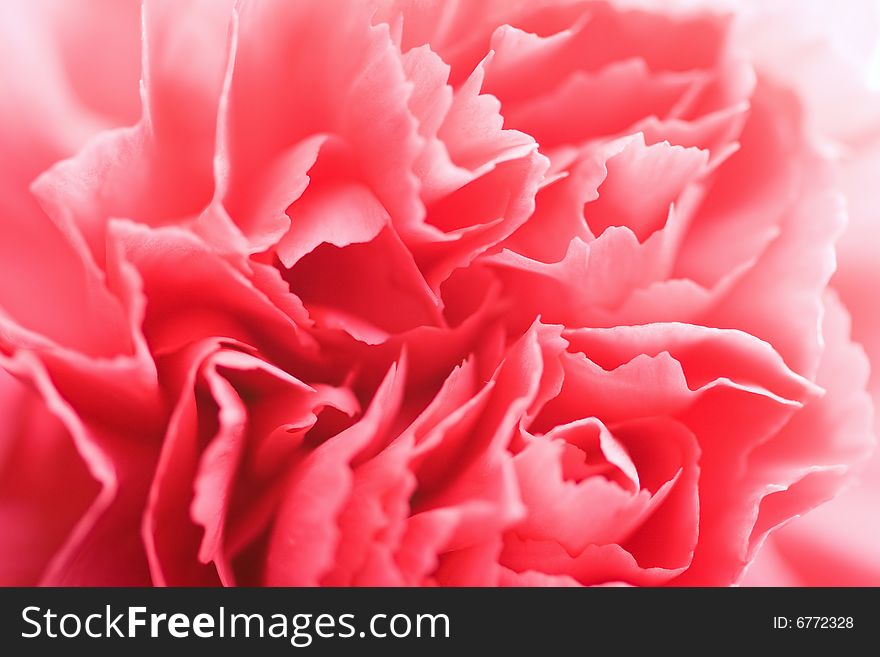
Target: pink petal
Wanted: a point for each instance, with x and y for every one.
(305, 533)
(46, 487)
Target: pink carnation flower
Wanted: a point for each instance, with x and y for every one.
(410, 293)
